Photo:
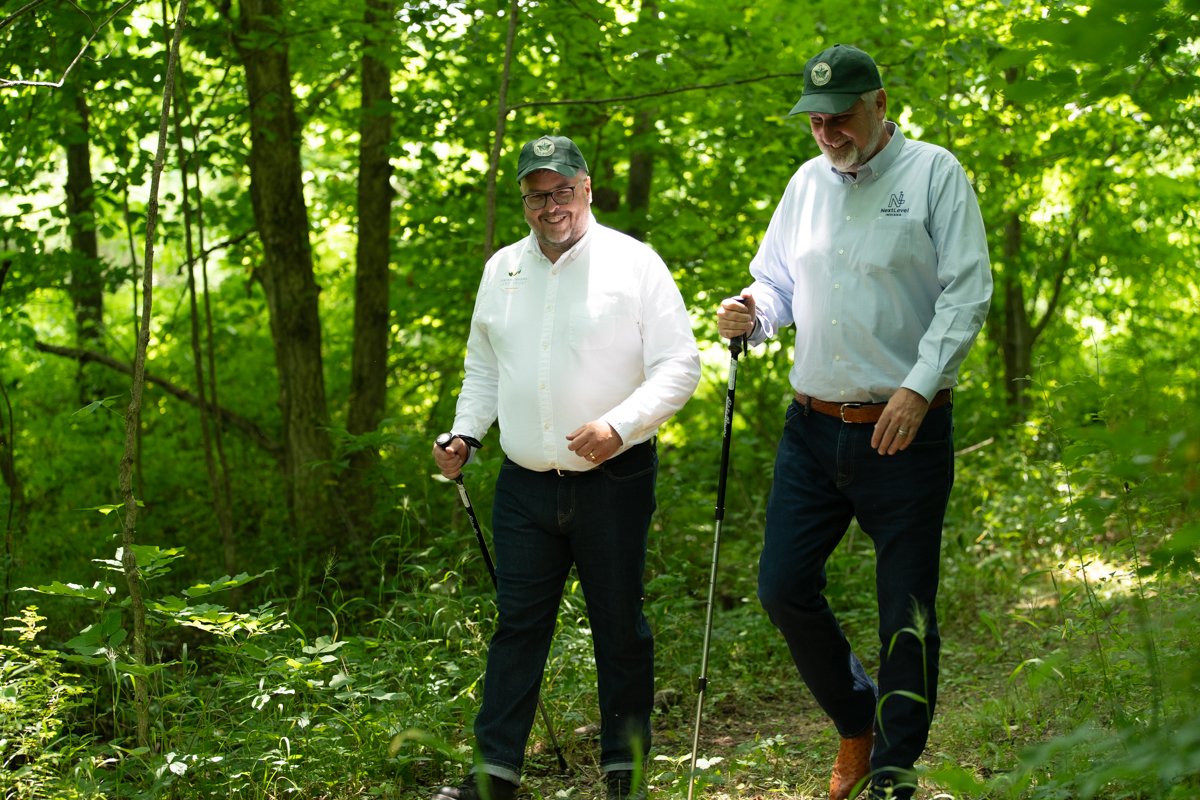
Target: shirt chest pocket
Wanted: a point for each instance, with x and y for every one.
(593, 324)
(890, 245)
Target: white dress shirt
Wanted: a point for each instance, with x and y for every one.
(601, 334)
(885, 275)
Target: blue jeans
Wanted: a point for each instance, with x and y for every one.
(542, 524)
(826, 474)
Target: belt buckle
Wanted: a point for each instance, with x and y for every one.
(842, 409)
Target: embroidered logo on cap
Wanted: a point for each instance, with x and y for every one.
(543, 148)
(821, 74)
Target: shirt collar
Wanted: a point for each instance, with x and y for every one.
(880, 162)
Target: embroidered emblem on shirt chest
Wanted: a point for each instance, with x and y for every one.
(513, 280)
(896, 206)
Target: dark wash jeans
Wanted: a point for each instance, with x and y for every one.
(543, 523)
(825, 474)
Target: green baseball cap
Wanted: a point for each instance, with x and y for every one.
(835, 78)
(550, 152)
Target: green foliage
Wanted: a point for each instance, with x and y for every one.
(38, 700)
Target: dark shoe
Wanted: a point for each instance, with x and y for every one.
(621, 786)
(853, 764)
(888, 787)
(478, 786)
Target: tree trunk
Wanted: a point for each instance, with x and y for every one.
(641, 156)
(86, 281)
(641, 175)
(368, 368)
(277, 195)
(489, 226)
(17, 512)
(1016, 342)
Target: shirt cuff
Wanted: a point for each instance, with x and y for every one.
(924, 381)
(758, 334)
(626, 430)
(470, 447)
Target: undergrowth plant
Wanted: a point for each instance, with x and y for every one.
(39, 699)
(1102, 701)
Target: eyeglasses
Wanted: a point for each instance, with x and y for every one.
(536, 201)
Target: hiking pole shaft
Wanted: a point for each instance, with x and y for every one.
(443, 442)
(735, 349)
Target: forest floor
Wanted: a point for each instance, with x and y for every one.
(764, 741)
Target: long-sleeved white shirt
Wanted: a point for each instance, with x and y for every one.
(601, 334)
(886, 275)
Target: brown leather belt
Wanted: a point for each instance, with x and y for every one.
(860, 412)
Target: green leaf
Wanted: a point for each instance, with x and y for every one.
(97, 591)
(105, 509)
(222, 583)
(101, 639)
(421, 737)
(323, 645)
(1028, 91)
(91, 661)
(152, 561)
(139, 670)
(96, 405)
(1010, 58)
(254, 651)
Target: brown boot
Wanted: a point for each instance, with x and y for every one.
(852, 765)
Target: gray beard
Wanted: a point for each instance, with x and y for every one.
(853, 158)
(846, 160)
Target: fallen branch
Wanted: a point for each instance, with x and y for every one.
(235, 420)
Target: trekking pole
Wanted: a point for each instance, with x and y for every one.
(443, 441)
(735, 348)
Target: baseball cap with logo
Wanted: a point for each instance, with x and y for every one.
(835, 78)
(550, 152)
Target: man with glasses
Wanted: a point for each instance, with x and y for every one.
(877, 254)
(580, 346)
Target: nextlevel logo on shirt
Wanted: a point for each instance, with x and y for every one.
(895, 206)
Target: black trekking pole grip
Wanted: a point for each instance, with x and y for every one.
(444, 439)
(740, 343)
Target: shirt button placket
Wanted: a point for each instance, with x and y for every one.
(545, 369)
